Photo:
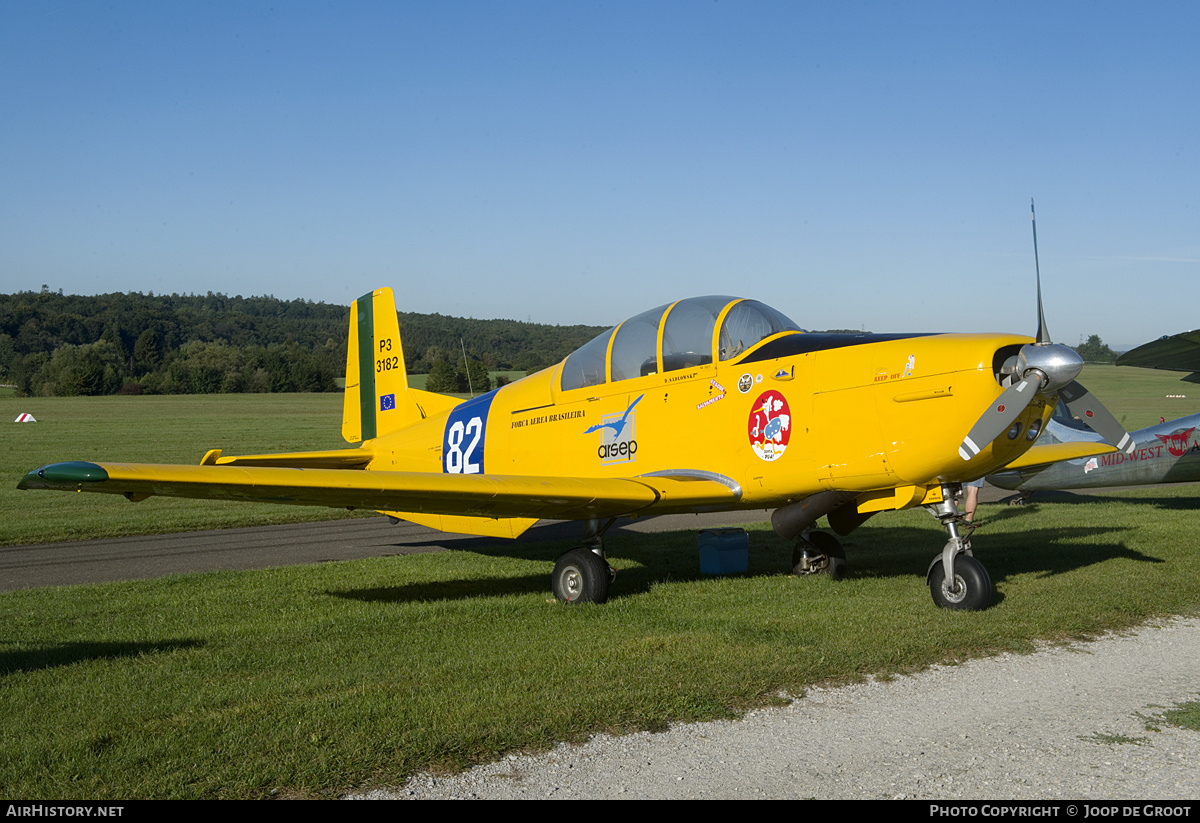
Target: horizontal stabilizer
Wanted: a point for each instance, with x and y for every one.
(337, 459)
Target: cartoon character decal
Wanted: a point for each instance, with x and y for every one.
(769, 425)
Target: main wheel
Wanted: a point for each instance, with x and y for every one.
(833, 563)
(581, 576)
(972, 589)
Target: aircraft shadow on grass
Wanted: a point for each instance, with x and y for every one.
(673, 557)
(66, 654)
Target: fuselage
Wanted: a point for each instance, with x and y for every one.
(791, 415)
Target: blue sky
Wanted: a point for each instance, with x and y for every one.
(854, 164)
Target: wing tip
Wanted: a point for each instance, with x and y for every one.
(63, 475)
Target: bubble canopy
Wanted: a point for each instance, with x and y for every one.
(675, 336)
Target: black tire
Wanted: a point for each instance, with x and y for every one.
(974, 591)
(828, 545)
(581, 576)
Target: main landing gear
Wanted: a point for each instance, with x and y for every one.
(956, 579)
(819, 553)
(583, 575)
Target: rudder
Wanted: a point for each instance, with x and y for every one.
(376, 378)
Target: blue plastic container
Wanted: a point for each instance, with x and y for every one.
(724, 551)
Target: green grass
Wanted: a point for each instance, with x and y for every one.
(1185, 716)
(312, 680)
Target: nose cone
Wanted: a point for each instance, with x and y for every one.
(1058, 364)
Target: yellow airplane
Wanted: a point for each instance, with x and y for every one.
(705, 404)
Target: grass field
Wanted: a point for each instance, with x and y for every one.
(311, 680)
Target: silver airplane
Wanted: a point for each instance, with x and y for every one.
(1168, 452)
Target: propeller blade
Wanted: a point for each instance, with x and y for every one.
(1084, 405)
(1007, 408)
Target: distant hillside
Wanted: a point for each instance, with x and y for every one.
(52, 343)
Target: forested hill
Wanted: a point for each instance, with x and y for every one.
(52, 343)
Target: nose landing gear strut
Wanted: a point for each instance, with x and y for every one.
(956, 579)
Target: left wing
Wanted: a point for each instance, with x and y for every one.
(478, 495)
(1177, 352)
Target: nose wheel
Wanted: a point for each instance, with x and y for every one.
(956, 579)
(970, 590)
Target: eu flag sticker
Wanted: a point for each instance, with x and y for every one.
(387, 402)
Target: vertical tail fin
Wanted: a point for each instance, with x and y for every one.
(378, 400)
(376, 379)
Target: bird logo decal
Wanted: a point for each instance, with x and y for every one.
(617, 444)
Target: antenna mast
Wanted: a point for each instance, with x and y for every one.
(1043, 336)
(467, 365)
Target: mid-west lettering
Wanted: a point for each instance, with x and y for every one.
(1146, 453)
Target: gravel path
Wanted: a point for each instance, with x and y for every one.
(1064, 723)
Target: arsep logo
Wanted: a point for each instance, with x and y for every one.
(617, 443)
(620, 452)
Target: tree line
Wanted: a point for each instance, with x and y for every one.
(1096, 350)
(56, 344)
